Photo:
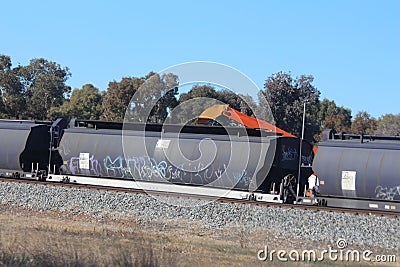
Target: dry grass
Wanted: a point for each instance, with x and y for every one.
(34, 242)
(29, 238)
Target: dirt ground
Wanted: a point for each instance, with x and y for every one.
(31, 238)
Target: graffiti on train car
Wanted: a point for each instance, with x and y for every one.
(386, 193)
(75, 168)
(307, 160)
(289, 153)
(149, 169)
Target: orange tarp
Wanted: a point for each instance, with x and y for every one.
(217, 110)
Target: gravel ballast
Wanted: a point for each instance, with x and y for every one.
(281, 223)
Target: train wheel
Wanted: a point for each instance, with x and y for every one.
(323, 203)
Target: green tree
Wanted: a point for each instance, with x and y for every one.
(157, 94)
(331, 116)
(234, 100)
(12, 101)
(194, 102)
(118, 95)
(2, 108)
(163, 91)
(85, 103)
(389, 124)
(44, 86)
(286, 96)
(248, 106)
(197, 91)
(202, 96)
(363, 123)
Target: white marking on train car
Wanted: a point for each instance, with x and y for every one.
(168, 187)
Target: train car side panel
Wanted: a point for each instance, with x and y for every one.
(359, 170)
(23, 146)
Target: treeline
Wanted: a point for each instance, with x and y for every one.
(39, 91)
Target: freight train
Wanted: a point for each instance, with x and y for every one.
(232, 162)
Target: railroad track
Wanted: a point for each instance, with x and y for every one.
(206, 198)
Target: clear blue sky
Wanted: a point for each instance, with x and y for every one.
(352, 48)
